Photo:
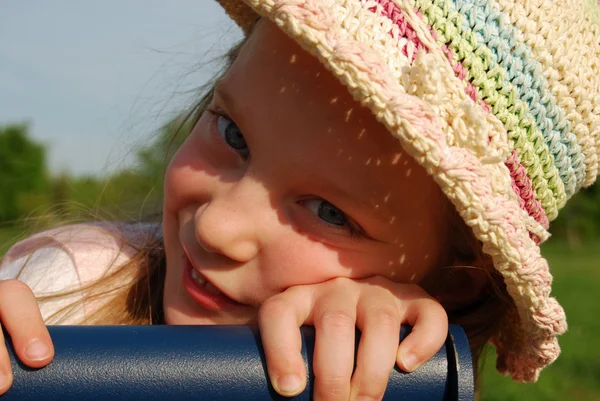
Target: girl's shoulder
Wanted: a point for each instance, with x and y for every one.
(70, 257)
(92, 247)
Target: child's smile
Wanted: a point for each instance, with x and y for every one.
(203, 291)
(300, 196)
(286, 181)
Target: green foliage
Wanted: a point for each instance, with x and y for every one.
(576, 373)
(26, 191)
(153, 159)
(9, 235)
(25, 187)
(580, 218)
(60, 193)
(125, 195)
(23, 177)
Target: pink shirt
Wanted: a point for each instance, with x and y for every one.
(70, 257)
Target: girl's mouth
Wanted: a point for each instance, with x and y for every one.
(204, 292)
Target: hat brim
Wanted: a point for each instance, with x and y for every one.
(442, 140)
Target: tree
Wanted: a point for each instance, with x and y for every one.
(580, 218)
(153, 159)
(60, 195)
(23, 173)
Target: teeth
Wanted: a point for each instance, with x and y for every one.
(203, 283)
(196, 276)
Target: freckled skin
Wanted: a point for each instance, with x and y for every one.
(246, 222)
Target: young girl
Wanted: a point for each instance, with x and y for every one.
(356, 160)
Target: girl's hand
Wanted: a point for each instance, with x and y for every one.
(377, 307)
(20, 315)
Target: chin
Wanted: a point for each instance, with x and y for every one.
(175, 317)
(178, 310)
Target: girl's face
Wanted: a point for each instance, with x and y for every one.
(286, 181)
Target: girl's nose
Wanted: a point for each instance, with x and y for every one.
(227, 224)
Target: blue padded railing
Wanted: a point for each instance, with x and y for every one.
(151, 363)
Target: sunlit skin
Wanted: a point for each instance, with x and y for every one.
(251, 223)
(293, 201)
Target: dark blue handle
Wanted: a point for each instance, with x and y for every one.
(203, 363)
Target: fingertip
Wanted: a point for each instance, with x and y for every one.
(38, 353)
(5, 381)
(408, 361)
(289, 385)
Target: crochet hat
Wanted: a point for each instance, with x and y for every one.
(497, 99)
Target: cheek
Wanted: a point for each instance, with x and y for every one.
(296, 260)
(304, 261)
(409, 260)
(175, 177)
(188, 177)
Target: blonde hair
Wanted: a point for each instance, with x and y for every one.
(139, 301)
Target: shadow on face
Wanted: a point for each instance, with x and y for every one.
(309, 141)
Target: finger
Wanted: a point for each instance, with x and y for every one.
(335, 334)
(24, 324)
(279, 320)
(6, 376)
(429, 332)
(378, 319)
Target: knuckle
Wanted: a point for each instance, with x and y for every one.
(377, 280)
(341, 282)
(334, 385)
(339, 319)
(442, 315)
(272, 307)
(385, 316)
(433, 307)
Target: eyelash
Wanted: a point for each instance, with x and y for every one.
(215, 114)
(356, 233)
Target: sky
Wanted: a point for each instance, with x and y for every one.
(95, 79)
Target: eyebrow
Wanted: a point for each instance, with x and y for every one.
(221, 91)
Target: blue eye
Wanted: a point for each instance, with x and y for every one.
(327, 212)
(232, 135)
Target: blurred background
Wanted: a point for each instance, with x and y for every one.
(90, 96)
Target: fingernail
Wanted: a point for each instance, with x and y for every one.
(364, 398)
(410, 362)
(289, 384)
(37, 350)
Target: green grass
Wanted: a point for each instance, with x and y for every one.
(576, 373)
